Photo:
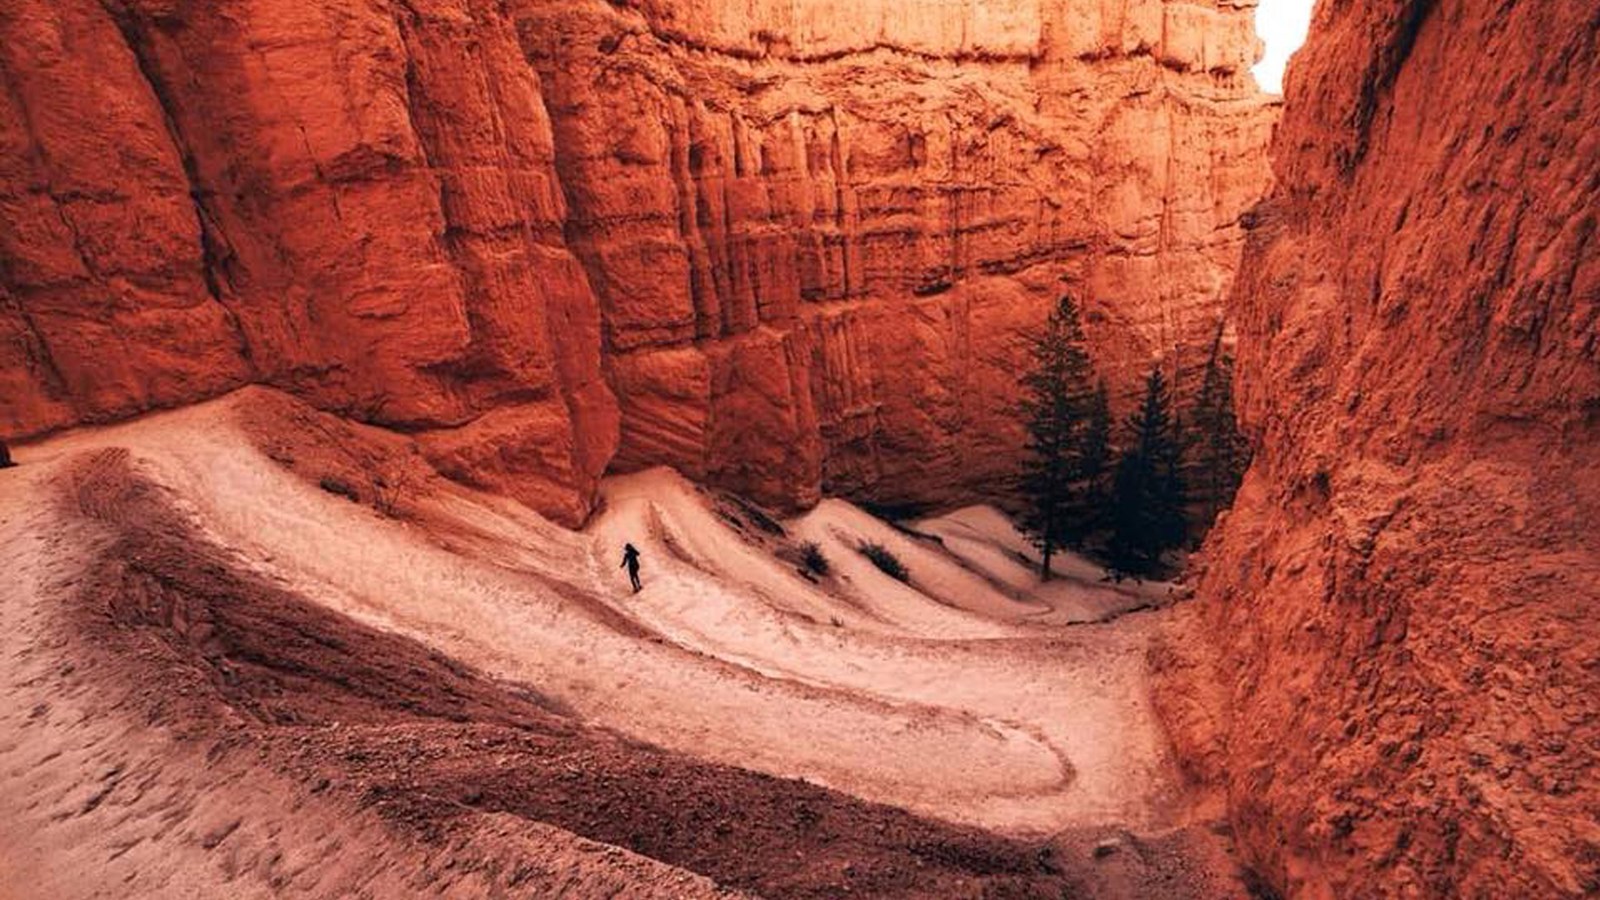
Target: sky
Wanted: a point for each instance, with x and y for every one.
(1282, 24)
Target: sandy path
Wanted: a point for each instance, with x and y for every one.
(1077, 691)
(96, 801)
(509, 623)
(963, 695)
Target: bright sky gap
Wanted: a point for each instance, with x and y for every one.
(1282, 25)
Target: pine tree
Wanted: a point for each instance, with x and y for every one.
(1056, 403)
(1220, 452)
(1147, 506)
(1088, 502)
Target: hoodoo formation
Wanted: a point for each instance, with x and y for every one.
(345, 344)
(779, 246)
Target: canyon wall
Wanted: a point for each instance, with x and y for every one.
(354, 201)
(1404, 595)
(779, 244)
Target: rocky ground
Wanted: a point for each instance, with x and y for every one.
(251, 649)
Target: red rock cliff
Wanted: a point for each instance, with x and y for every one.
(779, 245)
(1405, 591)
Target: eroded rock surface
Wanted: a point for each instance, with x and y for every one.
(357, 202)
(778, 245)
(1404, 592)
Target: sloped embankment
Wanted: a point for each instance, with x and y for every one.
(168, 629)
(221, 674)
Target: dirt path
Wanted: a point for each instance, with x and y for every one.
(247, 678)
(1072, 740)
(172, 728)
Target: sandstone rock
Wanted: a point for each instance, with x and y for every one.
(104, 308)
(358, 205)
(471, 219)
(1404, 592)
(894, 189)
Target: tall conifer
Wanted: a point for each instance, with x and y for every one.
(1147, 503)
(1056, 406)
(1219, 453)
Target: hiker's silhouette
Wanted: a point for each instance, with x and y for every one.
(630, 561)
(5, 456)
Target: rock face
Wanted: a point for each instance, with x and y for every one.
(1404, 593)
(813, 227)
(354, 202)
(780, 245)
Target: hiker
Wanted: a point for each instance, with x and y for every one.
(630, 561)
(5, 456)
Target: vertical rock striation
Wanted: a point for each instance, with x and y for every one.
(354, 201)
(1405, 591)
(813, 227)
(780, 245)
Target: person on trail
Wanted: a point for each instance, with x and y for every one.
(630, 561)
(5, 457)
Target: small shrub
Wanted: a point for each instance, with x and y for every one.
(1257, 886)
(811, 555)
(390, 493)
(333, 484)
(760, 518)
(885, 560)
(743, 515)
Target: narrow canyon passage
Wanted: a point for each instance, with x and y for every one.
(345, 343)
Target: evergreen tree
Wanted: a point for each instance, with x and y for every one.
(1087, 503)
(1219, 451)
(1147, 506)
(1056, 403)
